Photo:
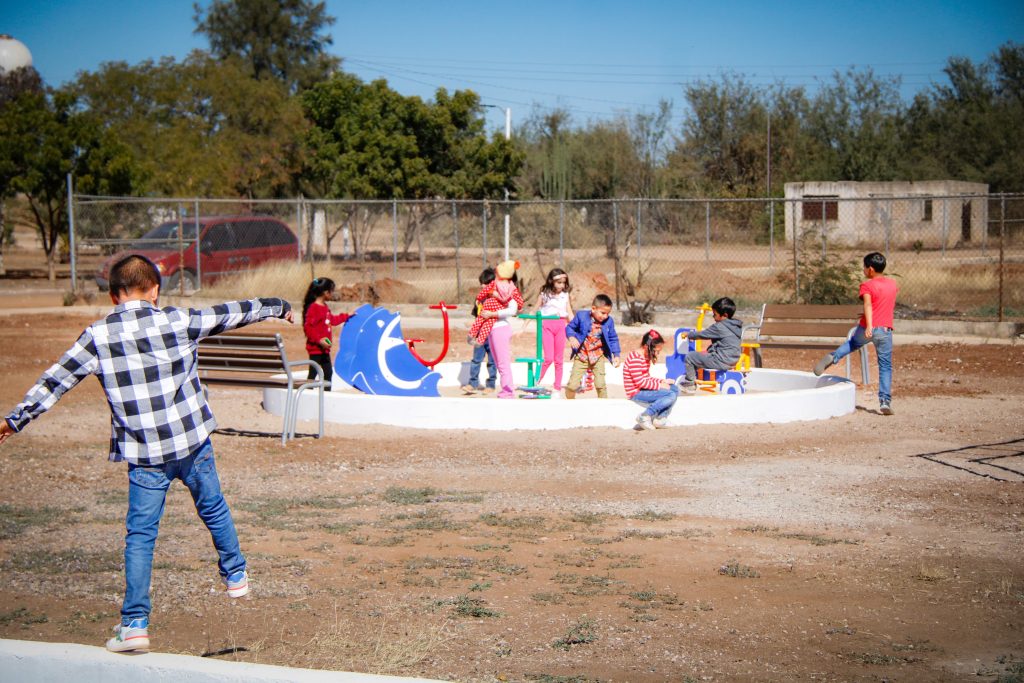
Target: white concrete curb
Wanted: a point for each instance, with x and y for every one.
(777, 396)
(32, 662)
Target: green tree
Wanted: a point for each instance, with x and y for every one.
(278, 39)
(724, 133)
(970, 128)
(855, 124)
(199, 127)
(13, 85)
(367, 141)
(47, 136)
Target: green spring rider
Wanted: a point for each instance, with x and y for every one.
(533, 389)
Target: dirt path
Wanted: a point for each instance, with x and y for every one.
(859, 548)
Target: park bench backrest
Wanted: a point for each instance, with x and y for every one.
(808, 320)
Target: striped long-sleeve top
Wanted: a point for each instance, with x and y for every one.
(636, 374)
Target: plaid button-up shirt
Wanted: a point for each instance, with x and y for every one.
(145, 358)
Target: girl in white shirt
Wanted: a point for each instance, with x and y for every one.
(554, 300)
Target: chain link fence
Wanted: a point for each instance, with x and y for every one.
(953, 256)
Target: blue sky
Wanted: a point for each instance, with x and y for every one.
(595, 58)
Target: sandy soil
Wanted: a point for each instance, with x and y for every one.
(859, 548)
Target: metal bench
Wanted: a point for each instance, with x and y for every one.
(808, 326)
(259, 360)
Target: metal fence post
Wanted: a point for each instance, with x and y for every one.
(1002, 264)
(639, 227)
(771, 233)
(561, 234)
(945, 224)
(298, 228)
(199, 252)
(394, 238)
(615, 251)
(483, 255)
(796, 259)
(707, 232)
(71, 235)
(458, 271)
(181, 249)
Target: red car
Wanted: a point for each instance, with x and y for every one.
(226, 244)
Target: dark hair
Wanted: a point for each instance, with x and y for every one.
(724, 306)
(320, 285)
(487, 276)
(133, 273)
(602, 300)
(875, 260)
(650, 342)
(549, 284)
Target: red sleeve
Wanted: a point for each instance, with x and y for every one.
(519, 298)
(338, 318)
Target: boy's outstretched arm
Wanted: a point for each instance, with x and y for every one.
(77, 363)
(231, 315)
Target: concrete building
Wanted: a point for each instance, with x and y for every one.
(902, 214)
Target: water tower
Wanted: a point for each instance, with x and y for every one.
(13, 54)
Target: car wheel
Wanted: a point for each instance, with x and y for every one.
(172, 283)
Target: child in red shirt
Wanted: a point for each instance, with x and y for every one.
(494, 297)
(318, 323)
(659, 395)
(879, 295)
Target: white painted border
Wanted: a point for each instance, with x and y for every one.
(778, 396)
(34, 662)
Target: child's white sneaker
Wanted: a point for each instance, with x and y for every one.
(238, 584)
(131, 638)
(660, 422)
(644, 422)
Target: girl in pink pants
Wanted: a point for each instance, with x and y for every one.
(554, 300)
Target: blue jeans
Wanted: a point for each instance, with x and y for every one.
(474, 365)
(659, 402)
(147, 491)
(881, 337)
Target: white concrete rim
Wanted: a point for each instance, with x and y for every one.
(777, 396)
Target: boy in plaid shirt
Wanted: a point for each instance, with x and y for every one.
(145, 358)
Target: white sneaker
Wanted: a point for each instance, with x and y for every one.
(644, 422)
(660, 422)
(131, 638)
(238, 584)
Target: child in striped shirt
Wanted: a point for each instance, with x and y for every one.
(659, 395)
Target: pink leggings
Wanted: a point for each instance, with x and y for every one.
(501, 349)
(554, 349)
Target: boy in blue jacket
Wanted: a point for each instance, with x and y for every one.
(592, 338)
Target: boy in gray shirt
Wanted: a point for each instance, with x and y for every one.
(725, 348)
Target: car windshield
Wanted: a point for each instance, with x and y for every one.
(165, 236)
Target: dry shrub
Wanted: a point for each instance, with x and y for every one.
(398, 644)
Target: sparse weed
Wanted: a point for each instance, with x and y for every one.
(927, 573)
(589, 518)
(23, 616)
(69, 561)
(551, 598)
(465, 606)
(532, 522)
(581, 633)
(739, 571)
(653, 516)
(399, 495)
(16, 520)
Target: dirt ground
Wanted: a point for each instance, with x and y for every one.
(859, 548)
